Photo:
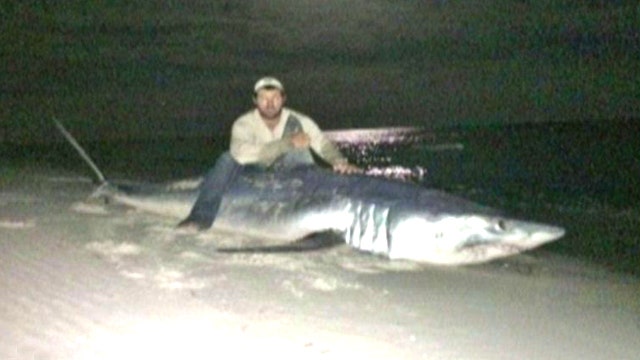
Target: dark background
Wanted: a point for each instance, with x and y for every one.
(177, 69)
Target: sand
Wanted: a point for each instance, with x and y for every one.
(85, 280)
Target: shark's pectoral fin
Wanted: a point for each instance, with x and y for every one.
(316, 241)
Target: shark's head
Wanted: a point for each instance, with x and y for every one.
(465, 239)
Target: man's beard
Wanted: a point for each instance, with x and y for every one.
(270, 117)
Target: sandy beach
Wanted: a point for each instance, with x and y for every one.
(85, 280)
(152, 88)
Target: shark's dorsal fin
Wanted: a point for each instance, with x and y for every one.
(293, 158)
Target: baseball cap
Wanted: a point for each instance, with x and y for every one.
(268, 82)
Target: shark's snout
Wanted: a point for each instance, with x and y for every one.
(536, 234)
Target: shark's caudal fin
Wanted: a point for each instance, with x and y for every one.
(81, 151)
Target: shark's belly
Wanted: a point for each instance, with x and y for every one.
(285, 218)
(362, 224)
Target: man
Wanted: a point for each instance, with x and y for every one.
(261, 136)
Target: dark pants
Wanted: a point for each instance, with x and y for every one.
(214, 185)
(224, 173)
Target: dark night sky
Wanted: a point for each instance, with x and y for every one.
(113, 69)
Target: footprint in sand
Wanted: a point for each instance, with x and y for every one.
(86, 208)
(114, 251)
(17, 224)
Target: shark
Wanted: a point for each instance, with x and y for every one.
(386, 217)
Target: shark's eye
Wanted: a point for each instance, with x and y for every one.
(501, 225)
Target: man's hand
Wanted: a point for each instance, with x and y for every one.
(300, 140)
(346, 168)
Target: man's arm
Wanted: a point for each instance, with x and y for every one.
(246, 150)
(324, 148)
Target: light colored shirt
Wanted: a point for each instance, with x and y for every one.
(253, 142)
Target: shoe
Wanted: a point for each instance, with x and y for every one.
(190, 225)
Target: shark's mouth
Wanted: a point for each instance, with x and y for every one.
(484, 250)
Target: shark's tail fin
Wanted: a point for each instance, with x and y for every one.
(81, 151)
